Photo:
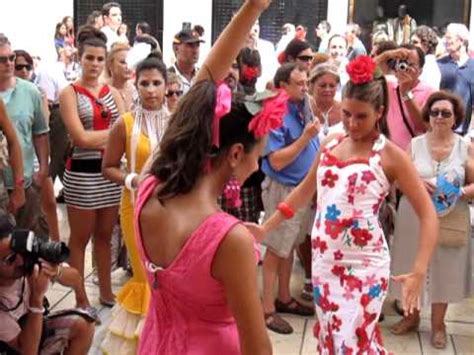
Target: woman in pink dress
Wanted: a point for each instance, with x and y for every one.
(351, 262)
(200, 262)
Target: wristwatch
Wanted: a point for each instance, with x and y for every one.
(408, 96)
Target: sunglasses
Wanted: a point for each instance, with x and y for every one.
(443, 113)
(9, 259)
(19, 67)
(305, 58)
(170, 93)
(7, 58)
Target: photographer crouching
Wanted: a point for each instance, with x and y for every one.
(27, 266)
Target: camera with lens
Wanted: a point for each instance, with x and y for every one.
(33, 248)
(398, 64)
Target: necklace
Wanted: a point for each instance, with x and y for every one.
(325, 117)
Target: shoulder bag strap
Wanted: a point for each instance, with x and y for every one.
(402, 110)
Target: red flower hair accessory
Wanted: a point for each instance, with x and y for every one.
(362, 70)
(270, 114)
(249, 73)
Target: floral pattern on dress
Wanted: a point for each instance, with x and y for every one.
(350, 256)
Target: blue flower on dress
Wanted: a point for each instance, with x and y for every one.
(375, 291)
(316, 294)
(332, 213)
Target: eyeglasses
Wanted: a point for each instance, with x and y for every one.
(305, 58)
(170, 93)
(7, 58)
(9, 259)
(443, 113)
(19, 67)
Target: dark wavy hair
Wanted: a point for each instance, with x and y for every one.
(187, 143)
(25, 55)
(456, 101)
(427, 37)
(90, 36)
(153, 61)
(294, 48)
(375, 93)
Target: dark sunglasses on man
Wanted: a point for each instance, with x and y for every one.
(7, 58)
(19, 67)
(170, 93)
(305, 58)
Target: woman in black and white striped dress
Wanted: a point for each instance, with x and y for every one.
(88, 110)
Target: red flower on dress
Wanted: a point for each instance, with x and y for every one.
(333, 228)
(368, 176)
(330, 179)
(353, 283)
(338, 270)
(319, 244)
(365, 300)
(338, 255)
(361, 236)
(336, 323)
(361, 70)
(384, 283)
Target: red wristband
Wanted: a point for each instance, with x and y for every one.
(286, 210)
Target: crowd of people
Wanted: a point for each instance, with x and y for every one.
(359, 160)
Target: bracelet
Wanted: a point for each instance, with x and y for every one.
(36, 310)
(286, 210)
(129, 180)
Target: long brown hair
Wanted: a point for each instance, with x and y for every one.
(374, 92)
(186, 146)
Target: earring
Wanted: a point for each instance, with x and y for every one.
(232, 193)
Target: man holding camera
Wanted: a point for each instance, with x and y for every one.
(24, 327)
(407, 95)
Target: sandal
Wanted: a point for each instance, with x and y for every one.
(404, 326)
(307, 292)
(106, 303)
(293, 307)
(439, 339)
(277, 324)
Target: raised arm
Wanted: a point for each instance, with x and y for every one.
(402, 170)
(80, 137)
(231, 40)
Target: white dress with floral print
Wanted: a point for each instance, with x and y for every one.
(351, 261)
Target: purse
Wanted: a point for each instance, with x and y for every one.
(454, 227)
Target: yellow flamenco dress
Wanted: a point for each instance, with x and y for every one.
(133, 299)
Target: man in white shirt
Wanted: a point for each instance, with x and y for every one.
(112, 15)
(268, 56)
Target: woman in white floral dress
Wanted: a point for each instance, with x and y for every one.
(351, 262)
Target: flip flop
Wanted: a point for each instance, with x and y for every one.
(293, 307)
(277, 324)
(404, 326)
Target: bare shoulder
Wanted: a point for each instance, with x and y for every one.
(330, 137)
(238, 237)
(393, 160)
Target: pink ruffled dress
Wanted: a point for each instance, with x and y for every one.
(188, 313)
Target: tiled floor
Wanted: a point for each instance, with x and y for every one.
(460, 319)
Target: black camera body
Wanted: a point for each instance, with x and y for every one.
(33, 248)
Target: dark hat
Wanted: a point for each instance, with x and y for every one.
(187, 36)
